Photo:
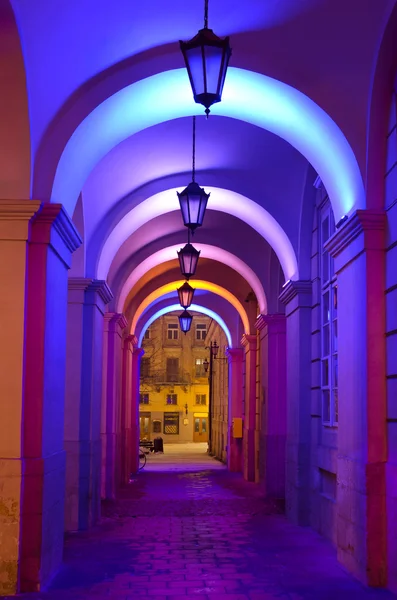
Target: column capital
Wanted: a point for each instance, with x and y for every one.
(101, 288)
(53, 217)
(248, 342)
(301, 290)
(235, 354)
(370, 223)
(130, 341)
(115, 320)
(79, 284)
(15, 216)
(137, 352)
(276, 321)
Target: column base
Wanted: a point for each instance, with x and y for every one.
(249, 454)
(42, 529)
(360, 520)
(272, 465)
(234, 453)
(108, 470)
(82, 503)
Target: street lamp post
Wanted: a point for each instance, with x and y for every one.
(213, 348)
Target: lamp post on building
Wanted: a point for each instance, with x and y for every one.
(213, 348)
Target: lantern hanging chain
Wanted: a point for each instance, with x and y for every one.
(205, 14)
(194, 150)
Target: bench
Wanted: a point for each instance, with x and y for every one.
(146, 444)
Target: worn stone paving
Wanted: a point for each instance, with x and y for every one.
(200, 532)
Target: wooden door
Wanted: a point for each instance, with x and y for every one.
(200, 429)
(144, 426)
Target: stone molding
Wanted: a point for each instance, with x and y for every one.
(100, 287)
(116, 319)
(15, 217)
(248, 342)
(235, 354)
(277, 319)
(54, 216)
(79, 284)
(137, 352)
(293, 289)
(18, 210)
(362, 221)
(130, 340)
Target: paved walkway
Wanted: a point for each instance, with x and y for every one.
(199, 531)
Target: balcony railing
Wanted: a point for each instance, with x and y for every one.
(167, 378)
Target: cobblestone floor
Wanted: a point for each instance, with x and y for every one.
(199, 532)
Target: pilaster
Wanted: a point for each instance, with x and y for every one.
(127, 421)
(358, 249)
(235, 444)
(114, 324)
(15, 226)
(249, 344)
(137, 354)
(297, 297)
(87, 299)
(273, 430)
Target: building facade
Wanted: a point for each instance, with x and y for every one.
(174, 391)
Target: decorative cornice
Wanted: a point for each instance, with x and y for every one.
(79, 283)
(295, 288)
(116, 319)
(265, 320)
(248, 341)
(18, 210)
(234, 354)
(54, 215)
(359, 222)
(100, 287)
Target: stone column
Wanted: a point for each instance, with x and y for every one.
(250, 409)
(136, 363)
(235, 445)
(359, 252)
(273, 430)
(126, 408)
(86, 306)
(14, 234)
(297, 297)
(52, 241)
(114, 323)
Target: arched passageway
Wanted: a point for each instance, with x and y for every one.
(296, 277)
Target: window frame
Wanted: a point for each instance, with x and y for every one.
(141, 395)
(201, 396)
(201, 328)
(172, 331)
(328, 322)
(174, 397)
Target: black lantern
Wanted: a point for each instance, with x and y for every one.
(193, 200)
(206, 364)
(188, 259)
(185, 294)
(206, 59)
(214, 349)
(185, 321)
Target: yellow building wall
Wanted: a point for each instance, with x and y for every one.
(188, 385)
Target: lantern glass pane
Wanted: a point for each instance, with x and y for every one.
(213, 67)
(194, 58)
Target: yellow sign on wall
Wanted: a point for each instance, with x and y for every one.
(237, 427)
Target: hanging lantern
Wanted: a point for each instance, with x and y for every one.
(206, 364)
(193, 200)
(188, 259)
(185, 321)
(185, 294)
(206, 58)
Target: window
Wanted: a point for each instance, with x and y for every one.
(156, 426)
(147, 334)
(145, 367)
(201, 331)
(200, 371)
(329, 326)
(172, 331)
(171, 423)
(143, 398)
(172, 369)
(172, 399)
(201, 399)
